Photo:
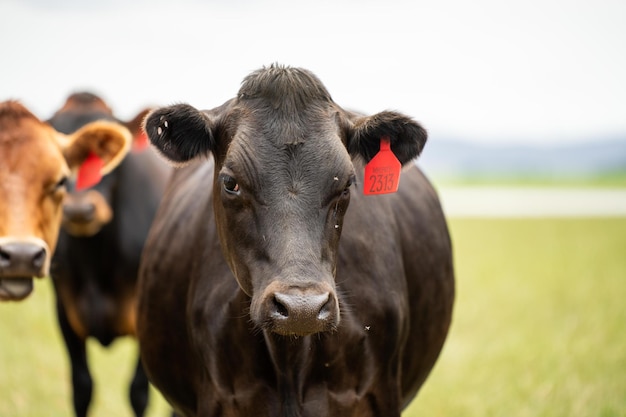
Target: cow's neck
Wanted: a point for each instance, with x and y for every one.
(291, 358)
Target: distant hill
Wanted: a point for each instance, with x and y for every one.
(454, 158)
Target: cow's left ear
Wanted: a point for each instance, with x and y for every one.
(406, 136)
(109, 141)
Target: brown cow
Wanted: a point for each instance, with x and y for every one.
(261, 292)
(35, 163)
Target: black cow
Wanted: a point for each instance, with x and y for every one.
(250, 303)
(95, 267)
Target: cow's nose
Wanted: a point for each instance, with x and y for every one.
(82, 212)
(301, 305)
(302, 313)
(22, 259)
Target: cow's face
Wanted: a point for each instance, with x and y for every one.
(280, 202)
(35, 164)
(85, 212)
(282, 185)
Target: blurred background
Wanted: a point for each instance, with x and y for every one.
(525, 105)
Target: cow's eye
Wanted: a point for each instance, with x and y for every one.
(230, 185)
(346, 191)
(61, 184)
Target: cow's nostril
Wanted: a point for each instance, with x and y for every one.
(39, 259)
(327, 309)
(279, 307)
(5, 258)
(19, 258)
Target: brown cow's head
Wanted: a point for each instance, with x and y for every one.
(85, 212)
(283, 178)
(35, 163)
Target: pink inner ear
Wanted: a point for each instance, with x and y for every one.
(90, 172)
(140, 142)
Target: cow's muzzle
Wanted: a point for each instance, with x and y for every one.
(20, 261)
(299, 311)
(84, 214)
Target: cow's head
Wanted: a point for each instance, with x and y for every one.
(283, 178)
(86, 211)
(35, 164)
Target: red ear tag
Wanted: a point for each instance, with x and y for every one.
(89, 173)
(140, 142)
(382, 173)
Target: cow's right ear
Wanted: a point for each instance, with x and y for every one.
(180, 132)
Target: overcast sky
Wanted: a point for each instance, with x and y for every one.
(541, 71)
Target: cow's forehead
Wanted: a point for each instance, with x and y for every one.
(282, 130)
(308, 172)
(286, 106)
(274, 143)
(79, 110)
(18, 124)
(30, 147)
(85, 102)
(284, 88)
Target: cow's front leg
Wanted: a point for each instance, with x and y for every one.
(82, 383)
(139, 390)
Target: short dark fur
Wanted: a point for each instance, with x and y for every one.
(179, 142)
(392, 125)
(286, 89)
(270, 286)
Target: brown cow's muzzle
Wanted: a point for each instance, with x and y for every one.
(299, 311)
(20, 261)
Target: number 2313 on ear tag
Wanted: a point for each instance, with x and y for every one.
(382, 173)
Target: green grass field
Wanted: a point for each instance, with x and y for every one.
(540, 322)
(615, 179)
(539, 330)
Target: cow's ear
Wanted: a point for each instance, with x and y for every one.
(135, 125)
(406, 136)
(180, 132)
(109, 141)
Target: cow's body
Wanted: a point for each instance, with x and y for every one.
(96, 264)
(35, 164)
(250, 305)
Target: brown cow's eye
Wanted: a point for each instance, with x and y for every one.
(61, 184)
(230, 185)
